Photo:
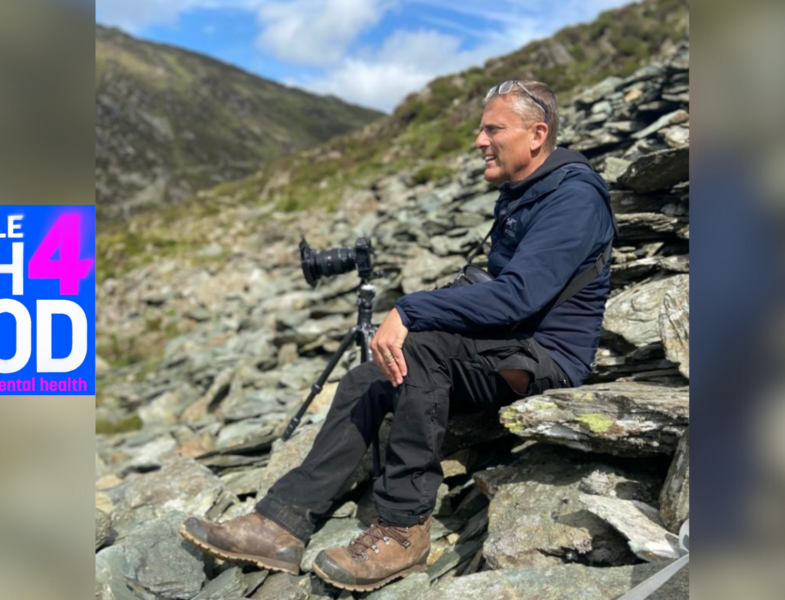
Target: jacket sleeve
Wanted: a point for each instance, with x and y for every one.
(571, 225)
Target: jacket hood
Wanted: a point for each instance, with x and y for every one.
(557, 159)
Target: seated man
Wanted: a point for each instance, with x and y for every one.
(480, 346)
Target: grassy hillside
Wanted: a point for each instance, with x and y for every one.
(170, 122)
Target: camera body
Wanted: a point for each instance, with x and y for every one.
(336, 261)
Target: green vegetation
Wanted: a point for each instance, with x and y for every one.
(129, 423)
(121, 352)
(431, 172)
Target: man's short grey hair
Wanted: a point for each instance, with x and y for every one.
(530, 112)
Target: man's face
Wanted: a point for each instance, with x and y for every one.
(505, 143)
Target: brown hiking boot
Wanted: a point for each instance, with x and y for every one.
(252, 538)
(376, 557)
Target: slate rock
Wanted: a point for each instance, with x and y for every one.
(599, 91)
(658, 170)
(229, 584)
(675, 495)
(538, 518)
(253, 580)
(634, 314)
(103, 528)
(282, 586)
(181, 485)
(621, 418)
(559, 582)
(639, 523)
(412, 587)
(612, 482)
(674, 324)
(675, 118)
(147, 455)
(153, 561)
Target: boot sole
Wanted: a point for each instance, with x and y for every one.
(418, 568)
(270, 564)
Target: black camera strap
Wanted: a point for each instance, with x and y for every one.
(473, 254)
(579, 281)
(585, 277)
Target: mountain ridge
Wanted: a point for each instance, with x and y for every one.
(170, 121)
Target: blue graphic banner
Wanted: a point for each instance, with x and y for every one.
(47, 300)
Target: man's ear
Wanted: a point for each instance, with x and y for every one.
(539, 135)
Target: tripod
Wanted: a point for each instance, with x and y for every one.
(361, 334)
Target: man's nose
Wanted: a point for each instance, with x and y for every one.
(481, 141)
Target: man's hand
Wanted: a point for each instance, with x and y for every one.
(386, 347)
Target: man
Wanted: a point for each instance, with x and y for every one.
(479, 346)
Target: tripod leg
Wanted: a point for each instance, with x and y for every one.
(365, 355)
(317, 387)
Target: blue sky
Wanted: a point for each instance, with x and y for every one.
(369, 52)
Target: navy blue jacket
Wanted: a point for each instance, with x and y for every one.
(548, 227)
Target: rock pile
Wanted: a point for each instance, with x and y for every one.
(600, 478)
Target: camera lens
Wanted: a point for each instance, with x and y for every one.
(335, 261)
(327, 263)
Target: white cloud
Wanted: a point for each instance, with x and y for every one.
(406, 62)
(314, 32)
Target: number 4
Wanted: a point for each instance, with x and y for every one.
(64, 234)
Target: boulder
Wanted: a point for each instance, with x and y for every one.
(658, 170)
(537, 518)
(621, 418)
(181, 485)
(151, 563)
(633, 315)
(639, 523)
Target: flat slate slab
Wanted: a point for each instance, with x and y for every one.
(562, 582)
(621, 418)
(639, 523)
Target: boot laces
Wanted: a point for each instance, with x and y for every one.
(379, 531)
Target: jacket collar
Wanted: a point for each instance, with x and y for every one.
(545, 179)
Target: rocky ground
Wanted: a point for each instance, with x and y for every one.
(577, 493)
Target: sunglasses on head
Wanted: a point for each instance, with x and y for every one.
(510, 85)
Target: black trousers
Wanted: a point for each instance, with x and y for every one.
(446, 372)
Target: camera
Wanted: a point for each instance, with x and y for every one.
(336, 261)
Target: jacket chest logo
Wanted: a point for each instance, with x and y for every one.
(510, 226)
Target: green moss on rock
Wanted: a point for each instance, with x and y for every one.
(595, 422)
